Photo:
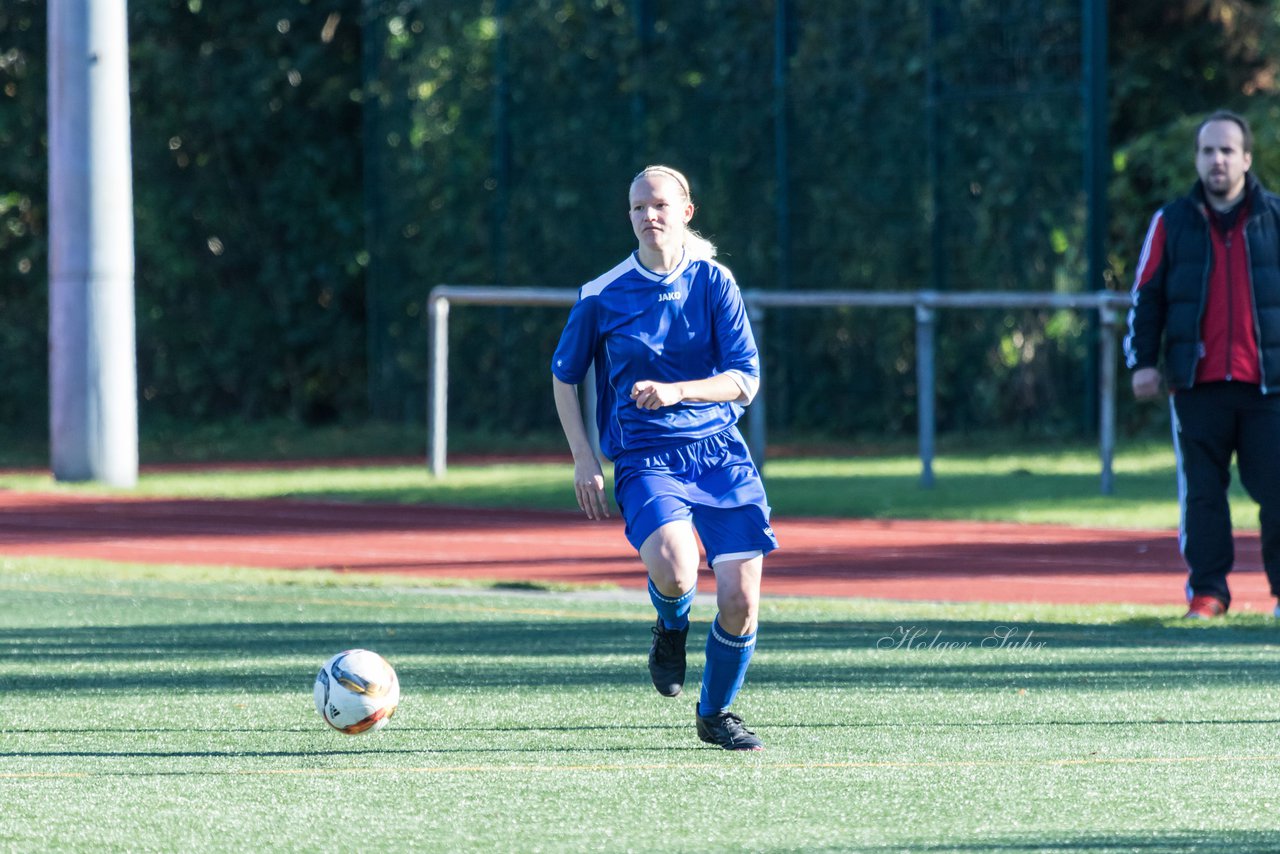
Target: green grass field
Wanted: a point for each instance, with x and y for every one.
(169, 709)
(152, 708)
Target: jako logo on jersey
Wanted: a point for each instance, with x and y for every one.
(668, 297)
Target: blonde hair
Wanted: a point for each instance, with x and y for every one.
(696, 246)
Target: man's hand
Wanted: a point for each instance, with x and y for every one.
(1146, 383)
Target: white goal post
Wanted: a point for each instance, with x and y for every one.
(1109, 305)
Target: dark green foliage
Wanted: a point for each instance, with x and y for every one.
(566, 100)
(247, 157)
(1171, 58)
(306, 170)
(24, 305)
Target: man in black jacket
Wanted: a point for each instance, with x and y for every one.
(1208, 290)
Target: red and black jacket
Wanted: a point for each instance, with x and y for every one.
(1212, 295)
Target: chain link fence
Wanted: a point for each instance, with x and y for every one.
(853, 145)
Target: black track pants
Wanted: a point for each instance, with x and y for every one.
(1210, 422)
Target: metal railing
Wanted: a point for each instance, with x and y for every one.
(1109, 305)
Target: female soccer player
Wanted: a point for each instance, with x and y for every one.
(675, 363)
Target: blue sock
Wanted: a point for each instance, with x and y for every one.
(674, 612)
(727, 659)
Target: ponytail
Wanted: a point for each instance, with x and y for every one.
(697, 247)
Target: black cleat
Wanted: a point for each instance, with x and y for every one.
(666, 659)
(727, 730)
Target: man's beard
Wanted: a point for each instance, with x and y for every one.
(1219, 190)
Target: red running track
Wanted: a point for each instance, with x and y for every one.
(945, 561)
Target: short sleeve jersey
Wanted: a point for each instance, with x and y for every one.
(636, 325)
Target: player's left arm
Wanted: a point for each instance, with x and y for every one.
(721, 388)
(737, 357)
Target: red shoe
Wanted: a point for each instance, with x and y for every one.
(1205, 607)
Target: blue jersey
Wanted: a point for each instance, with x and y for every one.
(636, 325)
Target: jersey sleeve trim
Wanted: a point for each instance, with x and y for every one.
(749, 385)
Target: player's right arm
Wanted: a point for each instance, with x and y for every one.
(1146, 313)
(573, 356)
(588, 478)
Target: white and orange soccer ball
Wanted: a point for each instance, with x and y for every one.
(357, 691)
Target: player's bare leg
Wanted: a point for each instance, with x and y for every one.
(671, 556)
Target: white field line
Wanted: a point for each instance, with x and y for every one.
(716, 767)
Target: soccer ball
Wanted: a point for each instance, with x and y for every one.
(356, 691)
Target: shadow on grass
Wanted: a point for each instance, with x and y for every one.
(555, 654)
(1104, 843)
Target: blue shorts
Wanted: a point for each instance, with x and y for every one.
(711, 481)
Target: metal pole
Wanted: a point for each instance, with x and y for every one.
(784, 324)
(782, 147)
(1097, 164)
(926, 317)
(93, 401)
(501, 155)
(936, 219)
(438, 416)
(925, 304)
(1108, 320)
(375, 215)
